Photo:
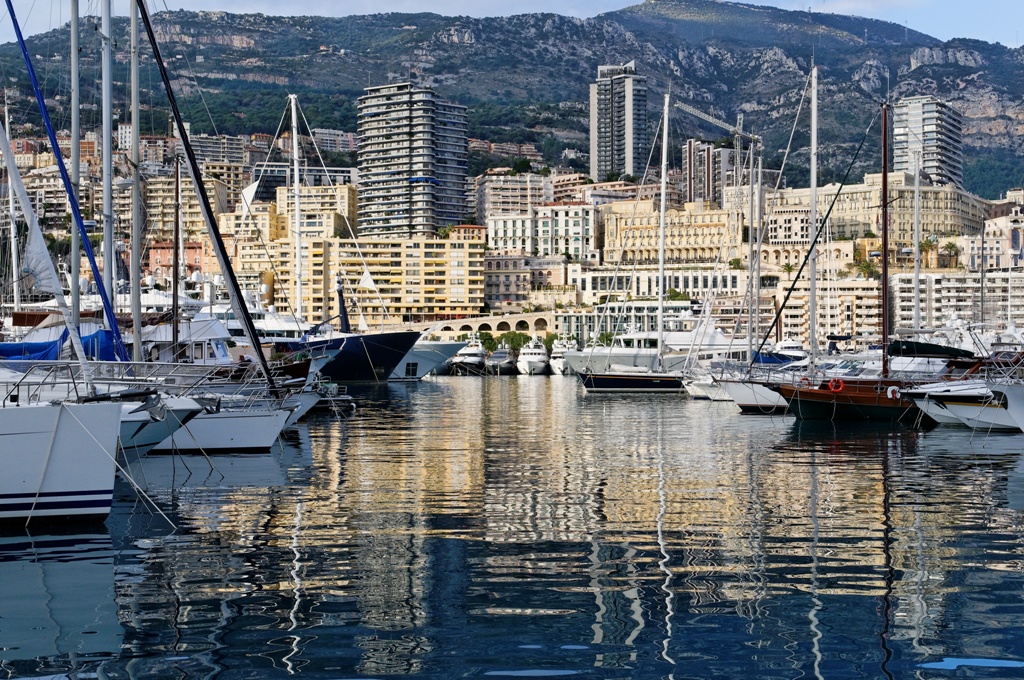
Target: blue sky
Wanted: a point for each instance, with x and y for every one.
(991, 20)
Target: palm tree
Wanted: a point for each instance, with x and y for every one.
(867, 269)
(926, 247)
(789, 268)
(951, 251)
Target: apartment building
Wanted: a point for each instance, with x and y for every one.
(619, 141)
(420, 279)
(412, 161)
(571, 229)
(693, 233)
(946, 210)
(928, 134)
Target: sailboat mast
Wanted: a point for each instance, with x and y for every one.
(15, 265)
(917, 241)
(107, 82)
(175, 263)
(298, 209)
(76, 167)
(237, 300)
(812, 272)
(661, 235)
(136, 253)
(885, 240)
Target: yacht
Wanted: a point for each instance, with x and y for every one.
(533, 358)
(425, 357)
(502, 361)
(559, 347)
(470, 359)
(687, 340)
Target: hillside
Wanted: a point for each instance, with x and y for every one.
(526, 77)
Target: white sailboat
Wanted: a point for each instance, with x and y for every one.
(656, 378)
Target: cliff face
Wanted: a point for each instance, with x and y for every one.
(722, 57)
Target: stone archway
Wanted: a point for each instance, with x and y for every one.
(466, 328)
(504, 327)
(540, 325)
(523, 326)
(484, 327)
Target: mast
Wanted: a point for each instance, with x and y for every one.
(237, 301)
(15, 265)
(812, 272)
(175, 264)
(293, 100)
(885, 240)
(661, 236)
(917, 241)
(76, 166)
(136, 253)
(107, 81)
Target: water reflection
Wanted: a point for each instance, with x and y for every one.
(57, 610)
(508, 525)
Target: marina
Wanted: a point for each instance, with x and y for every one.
(514, 526)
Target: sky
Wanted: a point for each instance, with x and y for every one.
(990, 20)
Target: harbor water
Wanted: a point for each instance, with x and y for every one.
(513, 527)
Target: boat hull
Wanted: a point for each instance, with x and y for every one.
(425, 357)
(656, 383)
(755, 398)
(361, 357)
(227, 431)
(851, 400)
(58, 460)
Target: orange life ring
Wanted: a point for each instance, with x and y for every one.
(805, 382)
(835, 385)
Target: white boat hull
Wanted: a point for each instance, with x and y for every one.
(227, 431)
(753, 397)
(58, 460)
(425, 357)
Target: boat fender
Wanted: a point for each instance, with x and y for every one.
(893, 392)
(835, 385)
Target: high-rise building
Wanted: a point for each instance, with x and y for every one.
(618, 122)
(933, 129)
(412, 161)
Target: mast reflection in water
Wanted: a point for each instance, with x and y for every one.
(510, 526)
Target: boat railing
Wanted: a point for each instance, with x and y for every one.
(41, 383)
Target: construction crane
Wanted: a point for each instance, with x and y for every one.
(736, 130)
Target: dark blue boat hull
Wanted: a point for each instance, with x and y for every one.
(362, 357)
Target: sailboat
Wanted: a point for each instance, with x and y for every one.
(360, 356)
(631, 378)
(856, 398)
(58, 457)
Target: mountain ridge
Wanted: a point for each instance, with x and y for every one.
(525, 76)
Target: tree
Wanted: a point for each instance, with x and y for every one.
(867, 269)
(951, 252)
(926, 247)
(789, 268)
(736, 263)
(673, 295)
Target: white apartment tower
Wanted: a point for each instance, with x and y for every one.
(618, 122)
(931, 129)
(412, 161)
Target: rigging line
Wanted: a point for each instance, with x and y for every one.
(355, 239)
(817, 234)
(195, 80)
(775, 193)
(606, 311)
(204, 201)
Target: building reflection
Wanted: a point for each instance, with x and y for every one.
(638, 529)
